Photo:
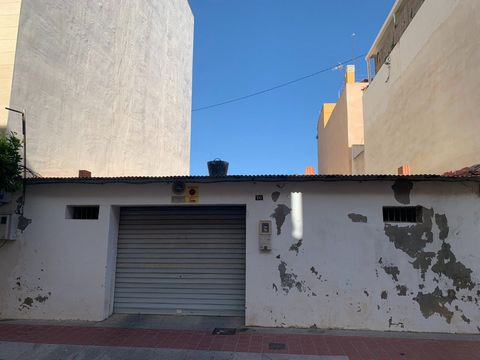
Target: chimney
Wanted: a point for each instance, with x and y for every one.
(350, 74)
(84, 174)
(404, 170)
(309, 170)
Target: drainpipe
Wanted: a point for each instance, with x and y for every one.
(369, 75)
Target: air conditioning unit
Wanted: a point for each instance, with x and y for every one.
(8, 227)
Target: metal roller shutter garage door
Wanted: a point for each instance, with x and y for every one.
(181, 260)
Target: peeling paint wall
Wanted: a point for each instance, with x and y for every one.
(349, 269)
(106, 86)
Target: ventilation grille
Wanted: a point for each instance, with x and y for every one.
(402, 214)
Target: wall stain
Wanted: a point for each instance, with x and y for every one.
(391, 323)
(315, 272)
(279, 214)
(423, 261)
(392, 271)
(402, 290)
(401, 190)
(464, 318)
(275, 287)
(23, 222)
(275, 196)
(41, 299)
(27, 303)
(435, 303)
(366, 292)
(448, 265)
(412, 239)
(357, 218)
(442, 223)
(384, 294)
(289, 280)
(296, 247)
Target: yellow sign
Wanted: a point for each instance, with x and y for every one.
(193, 195)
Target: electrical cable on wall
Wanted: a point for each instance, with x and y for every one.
(240, 98)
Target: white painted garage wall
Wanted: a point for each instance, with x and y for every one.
(335, 280)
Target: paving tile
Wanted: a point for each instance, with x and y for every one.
(355, 347)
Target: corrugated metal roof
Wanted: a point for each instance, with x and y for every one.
(243, 178)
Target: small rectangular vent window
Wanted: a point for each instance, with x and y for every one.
(83, 212)
(406, 214)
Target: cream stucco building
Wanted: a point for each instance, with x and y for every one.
(106, 85)
(340, 130)
(421, 108)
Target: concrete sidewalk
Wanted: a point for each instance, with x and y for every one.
(26, 351)
(123, 337)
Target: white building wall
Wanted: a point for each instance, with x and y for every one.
(346, 272)
(106, 86)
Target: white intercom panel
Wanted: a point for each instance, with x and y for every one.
(8, 227)
(265, 235)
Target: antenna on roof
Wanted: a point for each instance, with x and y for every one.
(353, 45)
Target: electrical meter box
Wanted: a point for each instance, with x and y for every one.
(265, 235)
(5, 197)
(7, 228)
(4, 227)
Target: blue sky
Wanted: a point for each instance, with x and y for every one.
(244, 46)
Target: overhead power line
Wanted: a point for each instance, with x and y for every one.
(240, 98)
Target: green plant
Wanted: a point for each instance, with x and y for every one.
(10, 163)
